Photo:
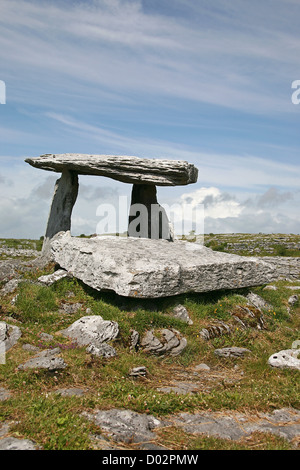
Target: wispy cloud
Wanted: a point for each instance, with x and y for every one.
(122, 46)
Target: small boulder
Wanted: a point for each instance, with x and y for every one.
(9, 335)
(232, 352)
(286, 359)
(140, 371)
(50, 279)
(103, 350)
(10, 286)
(181, 313)
(169, 342)
(293, 300)
(48, 359)
(91, 329)
(258, 301)
(12, 443)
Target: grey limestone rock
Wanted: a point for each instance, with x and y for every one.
(91, 329)
(285, 359)
(146, 268)
(9, 335)
(125, 425)
(140, 371)
(30, 347)
(10, 286)
(180, 388)
(234, 425)
(134, 340)
(293, 300)
(214, 330)
(45, 337)
(70, 309)
(201, 366)
(182, 314)
(258, 301)
(232, 352)
(12, 443)
(102, 350)
(128, 169)
(48, 359)
(50, 279)
(170, 342)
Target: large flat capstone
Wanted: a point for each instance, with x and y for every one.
(127, 169)
(147, 268)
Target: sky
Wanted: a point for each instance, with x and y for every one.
(215, 83)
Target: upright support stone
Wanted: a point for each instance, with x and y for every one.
(64, 198)
(147, 218)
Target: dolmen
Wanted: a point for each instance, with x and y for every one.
(149, 262)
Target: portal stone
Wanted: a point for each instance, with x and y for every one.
(64, 198)
(147, 218)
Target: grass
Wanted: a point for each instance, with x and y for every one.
(57, 422)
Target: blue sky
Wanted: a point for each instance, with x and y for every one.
(208, 82)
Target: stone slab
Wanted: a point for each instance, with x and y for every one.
(128, 169)
(146, 268)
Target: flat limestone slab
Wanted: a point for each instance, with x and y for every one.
(146, 268)
(127, 169)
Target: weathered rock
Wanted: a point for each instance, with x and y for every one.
(293, 300)
(136, 267)
(48, 359)
(70, 309)
(50, 279)
(134, 340)
(201, 366)
(286, 359)
(287, 267)
(214, 330)
(181, 313)
(102, 350)
(30, 347)
(127, 169)
(171, 342)
(9, 336)
(91, 329)
(140, 371)
(46, 337)
(234, 425)
(248, 316)
(180, 388)
(4, 394)
(10, 286)
(12, 443)
(232, 352)
(258, 301)
(125, 425)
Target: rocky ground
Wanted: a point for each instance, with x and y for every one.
(103, 372)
